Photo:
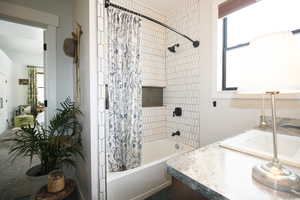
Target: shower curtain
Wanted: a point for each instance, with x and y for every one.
(125, 91)
(32, 87)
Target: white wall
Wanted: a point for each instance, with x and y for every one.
(84, 12)
(5, 73)
(63, 9)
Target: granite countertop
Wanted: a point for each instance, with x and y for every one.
(219, 173)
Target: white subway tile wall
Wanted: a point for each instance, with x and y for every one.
(183, 73)
(153, 54)
(154, 123)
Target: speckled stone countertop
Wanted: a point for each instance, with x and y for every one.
(219, 173)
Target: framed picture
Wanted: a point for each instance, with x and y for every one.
(23, 81)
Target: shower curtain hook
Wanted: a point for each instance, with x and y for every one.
(107, 3)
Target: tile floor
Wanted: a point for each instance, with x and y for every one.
(14, 184)
(13, 181)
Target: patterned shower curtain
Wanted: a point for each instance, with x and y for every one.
(32, 87)
(125, 91)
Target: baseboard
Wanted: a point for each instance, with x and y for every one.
(152, 191)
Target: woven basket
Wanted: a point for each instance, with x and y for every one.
(56, 181)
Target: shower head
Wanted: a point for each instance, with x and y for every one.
(173, 48)
(196, 43)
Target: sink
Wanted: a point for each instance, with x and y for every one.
(260, 144)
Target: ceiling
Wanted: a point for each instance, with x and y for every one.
(21, 38)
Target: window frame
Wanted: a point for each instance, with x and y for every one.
(44, 87)
(225, 49)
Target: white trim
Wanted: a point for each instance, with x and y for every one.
(93, 104)
(214, 44)
(152, 191)
(50, 71)
(15, 12)
(216, 87)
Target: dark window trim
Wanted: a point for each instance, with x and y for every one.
(231, 6)
(297, 31)
(238, 46)
(224, 57)
(225, 48)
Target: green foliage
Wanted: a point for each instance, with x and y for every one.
(55, 145)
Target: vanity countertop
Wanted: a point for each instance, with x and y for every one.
(219, 173)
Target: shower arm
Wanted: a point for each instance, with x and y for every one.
(108, 4)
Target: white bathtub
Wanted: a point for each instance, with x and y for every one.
(151, 177)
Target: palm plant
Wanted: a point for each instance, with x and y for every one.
(55, 145)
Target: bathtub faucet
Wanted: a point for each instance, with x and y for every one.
(176, 133)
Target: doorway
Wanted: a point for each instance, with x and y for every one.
(22, 80)
(23, 90)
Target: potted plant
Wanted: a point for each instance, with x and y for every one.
(55, 146)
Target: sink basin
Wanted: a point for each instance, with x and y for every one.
(260, 144)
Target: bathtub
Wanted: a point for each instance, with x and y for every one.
(150, 177)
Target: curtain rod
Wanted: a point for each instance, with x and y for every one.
(196, 43)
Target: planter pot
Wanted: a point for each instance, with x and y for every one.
(37, 180)
(34, 172)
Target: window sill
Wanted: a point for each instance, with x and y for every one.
(235, 95)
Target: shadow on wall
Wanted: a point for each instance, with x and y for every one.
(257, 103)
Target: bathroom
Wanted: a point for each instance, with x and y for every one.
(173, 99)
(184, 105)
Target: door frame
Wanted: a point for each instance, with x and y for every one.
(49, 22)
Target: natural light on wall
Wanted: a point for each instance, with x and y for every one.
(263, 17)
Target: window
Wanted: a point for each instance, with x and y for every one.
(239, 23)
(40, 88)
